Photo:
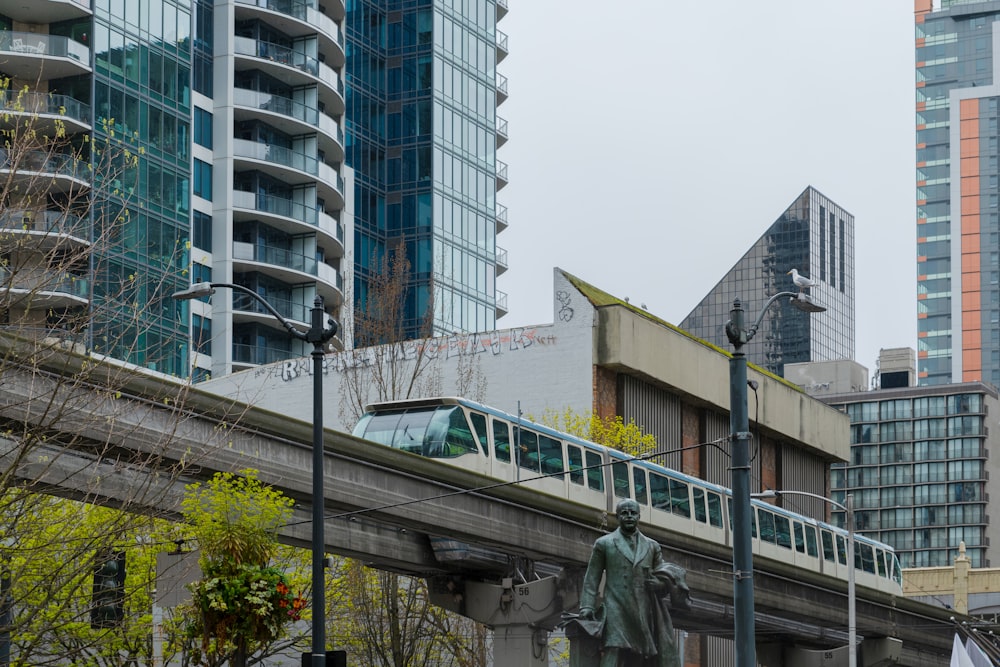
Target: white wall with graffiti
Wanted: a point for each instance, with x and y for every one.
(537, 368)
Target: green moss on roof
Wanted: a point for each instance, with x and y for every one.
(601, 299)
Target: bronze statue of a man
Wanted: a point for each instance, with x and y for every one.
(637, 631)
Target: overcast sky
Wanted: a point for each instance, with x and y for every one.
(653, 141)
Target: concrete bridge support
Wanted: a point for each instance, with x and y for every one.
(520, 614)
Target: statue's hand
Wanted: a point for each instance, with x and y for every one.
(656, 584)
(586, 613)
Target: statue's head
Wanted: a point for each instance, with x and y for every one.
(627, 511)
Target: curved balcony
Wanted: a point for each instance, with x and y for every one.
(501, 263)
(501, 303)
(46, 110)
(298, 18)
(501, 9)
(293, 167)
(291, 117)
(290, 216)
(25, 54)
(47, 11)
(52, 172)
(42, 291)
(248, 309)
(49, 228)
(295, 68)
(290, 267)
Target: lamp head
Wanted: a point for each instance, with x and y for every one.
(804, 302)
(196, 291)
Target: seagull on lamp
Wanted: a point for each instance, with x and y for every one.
(801, 281)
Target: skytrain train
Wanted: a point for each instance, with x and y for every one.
(465, 434)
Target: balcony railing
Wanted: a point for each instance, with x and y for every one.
(276, 206)
(44, 162)
(502, 301)
(44, 103)
(501, 170)
(33, 43)
(260, 354)
(288, 259)
(276, 154)
(50, 222)
(303, 11)
(75, 286)
(248, 46)
(289, 309)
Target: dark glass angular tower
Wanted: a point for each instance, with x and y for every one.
(815, 236)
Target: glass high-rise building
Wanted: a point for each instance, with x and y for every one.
(958, 230)
(422, 137)
(919, 470)
(185, 141)
(815, 236)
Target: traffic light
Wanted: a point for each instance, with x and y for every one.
(108, 601)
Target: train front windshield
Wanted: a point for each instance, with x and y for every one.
(441, 432)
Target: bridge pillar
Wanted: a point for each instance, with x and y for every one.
(521, 615)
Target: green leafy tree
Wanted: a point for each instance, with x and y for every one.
(610, 431)
(245, 600)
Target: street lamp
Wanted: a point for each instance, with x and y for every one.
(739, 423)
(318, 336)
(852, 627)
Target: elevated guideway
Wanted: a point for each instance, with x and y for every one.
(382, 505)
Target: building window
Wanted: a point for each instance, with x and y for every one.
(203, 231)
(203, 179)
(202, 127)
(201, 334)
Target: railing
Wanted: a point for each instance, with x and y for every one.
(502, 40)
(501, 216)
(501, 170)
(248, 46)
(502, 127)
(45, 103)
(50, 222)
(501, 301)
(303, 11)
(260, 354)
(501, 256)
(501, 84)
(75, 286)
(276, 154)
(35, 44)
(41, 161)
(282, 257)
(289, 309)
(276, 206)
(287, 107)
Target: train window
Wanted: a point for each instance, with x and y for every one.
(639, 482)
(379, 428)
(550, 454)
(680, 501)
(699, 504)
(782, 531)
(659, 492)
(880, 562)
(715, 509)
(867, 558)
(811, 547)
(619, 473)
(501, 440)
(827, 538)
(448, 434)
(479, 424)
(800, 537)
(766, 525)
(575, 464)
(842, 550)
(527, 447)
(595, 471)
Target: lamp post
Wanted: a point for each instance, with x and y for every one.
(739, 423)
(318, 335)
(852, 625)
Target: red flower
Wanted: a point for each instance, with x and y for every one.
(282, 588)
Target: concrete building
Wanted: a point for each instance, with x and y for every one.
(958, 275)
(919, 468)
(815, 236)
(959, 586)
